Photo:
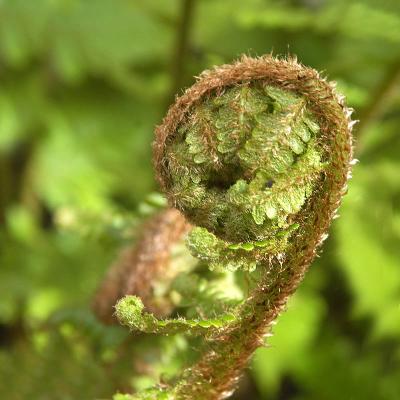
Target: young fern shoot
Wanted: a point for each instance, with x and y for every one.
(256, 155)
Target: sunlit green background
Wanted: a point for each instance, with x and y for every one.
(82, 85)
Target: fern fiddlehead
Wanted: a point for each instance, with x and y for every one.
(139, 267)
(256, 155)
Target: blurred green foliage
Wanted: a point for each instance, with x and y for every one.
(82, 85)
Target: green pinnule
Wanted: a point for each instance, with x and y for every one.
(256, 155)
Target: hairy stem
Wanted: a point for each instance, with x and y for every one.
(216, 374)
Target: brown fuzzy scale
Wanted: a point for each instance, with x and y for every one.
(216, 374)
(139, 267)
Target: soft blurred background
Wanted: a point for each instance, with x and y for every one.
(82, 85)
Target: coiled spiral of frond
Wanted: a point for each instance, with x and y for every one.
(254, 152)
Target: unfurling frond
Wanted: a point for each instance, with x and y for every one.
(256, 155)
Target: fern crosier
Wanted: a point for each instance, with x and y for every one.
(256, 155)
